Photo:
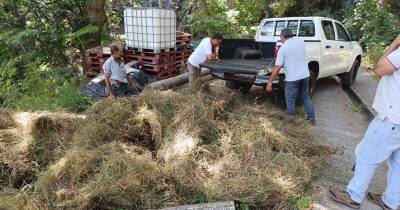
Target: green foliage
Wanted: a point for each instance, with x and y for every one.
(374, 25)
(300, 202)
(235, 19)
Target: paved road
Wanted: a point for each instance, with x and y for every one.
(342, 126)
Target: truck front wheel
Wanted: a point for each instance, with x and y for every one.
(349, 78)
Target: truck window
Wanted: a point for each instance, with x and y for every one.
(267, 29)
(329, 31)
(292, 25)
(341, 32)
(279, 26)
(307, 28)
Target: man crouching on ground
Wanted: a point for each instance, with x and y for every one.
(292, 56)
(117, 81)
(381, 141)
(205, 52)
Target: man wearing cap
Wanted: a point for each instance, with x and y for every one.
(292, 57)
(381, 141)
(205, 52)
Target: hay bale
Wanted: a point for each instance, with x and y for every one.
(6, 119)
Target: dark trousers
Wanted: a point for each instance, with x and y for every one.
(122, 89)
(297, 88)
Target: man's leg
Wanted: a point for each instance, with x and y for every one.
(116, 90)
(374, 149)
(194, 72)
(391, 197)
(291, 92)
(305, 97)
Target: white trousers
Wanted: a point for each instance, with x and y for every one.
(380, 143)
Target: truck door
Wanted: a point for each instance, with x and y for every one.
(331, 57)
(345, 55)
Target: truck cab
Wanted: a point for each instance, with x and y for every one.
(329, 51)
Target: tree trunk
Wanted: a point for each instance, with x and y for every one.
(97, 15)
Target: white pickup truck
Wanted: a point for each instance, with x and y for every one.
(329, 50)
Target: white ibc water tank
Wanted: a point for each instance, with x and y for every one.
(150, 28)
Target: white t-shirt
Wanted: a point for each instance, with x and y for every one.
(387, 97)
(292, 55)
(201, 53)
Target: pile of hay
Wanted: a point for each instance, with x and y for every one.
(6, 120)
(34, 141)
(168, 148)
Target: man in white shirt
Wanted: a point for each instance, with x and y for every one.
(381, 141)
(205, 52)
(292, 56)
(117, 81)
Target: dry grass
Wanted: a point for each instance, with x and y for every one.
(6, 119)
(38, 140)
(168, 148)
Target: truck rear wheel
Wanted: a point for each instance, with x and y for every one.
(349, 78)
(234, 85)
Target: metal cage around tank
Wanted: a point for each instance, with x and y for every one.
(150, 28)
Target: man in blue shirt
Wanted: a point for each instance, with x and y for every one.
(117, 81)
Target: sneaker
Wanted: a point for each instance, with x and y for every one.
(343, 197)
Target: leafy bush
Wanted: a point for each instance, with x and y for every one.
(374, 25)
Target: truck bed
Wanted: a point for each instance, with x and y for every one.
(241, 66)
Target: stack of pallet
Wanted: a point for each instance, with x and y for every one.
(95, 60)
(183, 49)
(160, 64)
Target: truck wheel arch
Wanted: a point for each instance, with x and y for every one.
(314, 67)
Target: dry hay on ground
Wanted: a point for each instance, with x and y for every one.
(168, 148)
(6, 120)
(34, 142)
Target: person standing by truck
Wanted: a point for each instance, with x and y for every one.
(292, 57)
(206, 51)
(381, 141)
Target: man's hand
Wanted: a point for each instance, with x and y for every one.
(269, 87)
(134, 87)
(111, 95)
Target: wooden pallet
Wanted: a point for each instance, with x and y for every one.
(149, 54)
(157, 68)
(183, 43)
(144, 60)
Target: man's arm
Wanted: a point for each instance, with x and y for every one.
(108, 85)
(274, 75)
(384, 66)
